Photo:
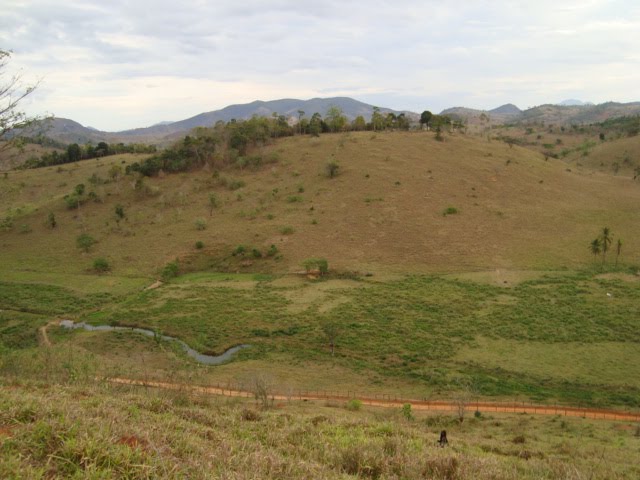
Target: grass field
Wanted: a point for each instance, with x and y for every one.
(569, 337)
(458, 269)
(99, 432)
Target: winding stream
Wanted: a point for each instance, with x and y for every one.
(197, 356)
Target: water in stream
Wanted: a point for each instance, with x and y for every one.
(197, 356)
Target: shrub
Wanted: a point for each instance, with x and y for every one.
(273, 251)
(170, 270)
(406, 411)
(354, 405)
(239, 250)
(286, 230)
(101, 265)
(256, 253)
(331, 169)
(85, 241)
(199, 245)
(294, 199)
(51, 220)
(449, 211)
(319, 264)
(200, 224)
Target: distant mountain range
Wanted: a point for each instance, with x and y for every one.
(69, 131)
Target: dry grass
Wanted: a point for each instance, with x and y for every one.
(95, 431)
(509, 201)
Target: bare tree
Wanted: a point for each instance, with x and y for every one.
(331, 331)
(261, 385)
(12, 92)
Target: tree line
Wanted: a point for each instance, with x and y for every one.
(74, 153)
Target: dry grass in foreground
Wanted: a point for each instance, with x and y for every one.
(99, 432)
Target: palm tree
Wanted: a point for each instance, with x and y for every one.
(605, 239)
(594, 247)
(618, 250)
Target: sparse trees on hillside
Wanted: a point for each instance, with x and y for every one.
(602, 243)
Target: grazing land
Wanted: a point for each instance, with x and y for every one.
(458, 270)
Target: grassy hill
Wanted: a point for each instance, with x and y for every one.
(100, 432)
(458, 270)
(384, 212)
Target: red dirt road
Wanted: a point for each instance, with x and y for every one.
(592, 413)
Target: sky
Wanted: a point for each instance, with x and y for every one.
(122, 64)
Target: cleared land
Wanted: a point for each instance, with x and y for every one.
(459, 271)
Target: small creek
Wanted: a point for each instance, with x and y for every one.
(197, 356)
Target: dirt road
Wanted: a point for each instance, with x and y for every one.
(484, 407)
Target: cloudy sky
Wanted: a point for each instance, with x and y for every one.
(122, 64)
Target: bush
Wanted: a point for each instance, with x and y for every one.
(273, 251)
(200, 224)
(331, 169)
(449, 211)
(101, 265)
(199, 245)
(286, 230)
(85, 241)
(319, 264)
(354, 405)
(406, 411)
(239, 250)
(256, 253)
(170, 270)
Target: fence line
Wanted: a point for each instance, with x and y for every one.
(385, 400)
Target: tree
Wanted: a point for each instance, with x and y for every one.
(300, 115)
(331, 331)
(213, 203)
(119, 213)
(594, 247)
(605, 241)
(377, 120)
(359, 124)
(315, 124)
(74, 153)
(335, 119)
(12, 92)
(425, 118)
(618, 250)
(85, 241)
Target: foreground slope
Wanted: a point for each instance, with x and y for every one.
(97, 432)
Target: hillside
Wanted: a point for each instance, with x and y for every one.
(384, 211)
(90, 431)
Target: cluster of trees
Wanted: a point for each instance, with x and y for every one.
(74, 153)
(602, 244)
(219, 146)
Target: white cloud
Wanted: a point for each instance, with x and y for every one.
(99, 59)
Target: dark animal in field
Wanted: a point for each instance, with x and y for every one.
(443, 439)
